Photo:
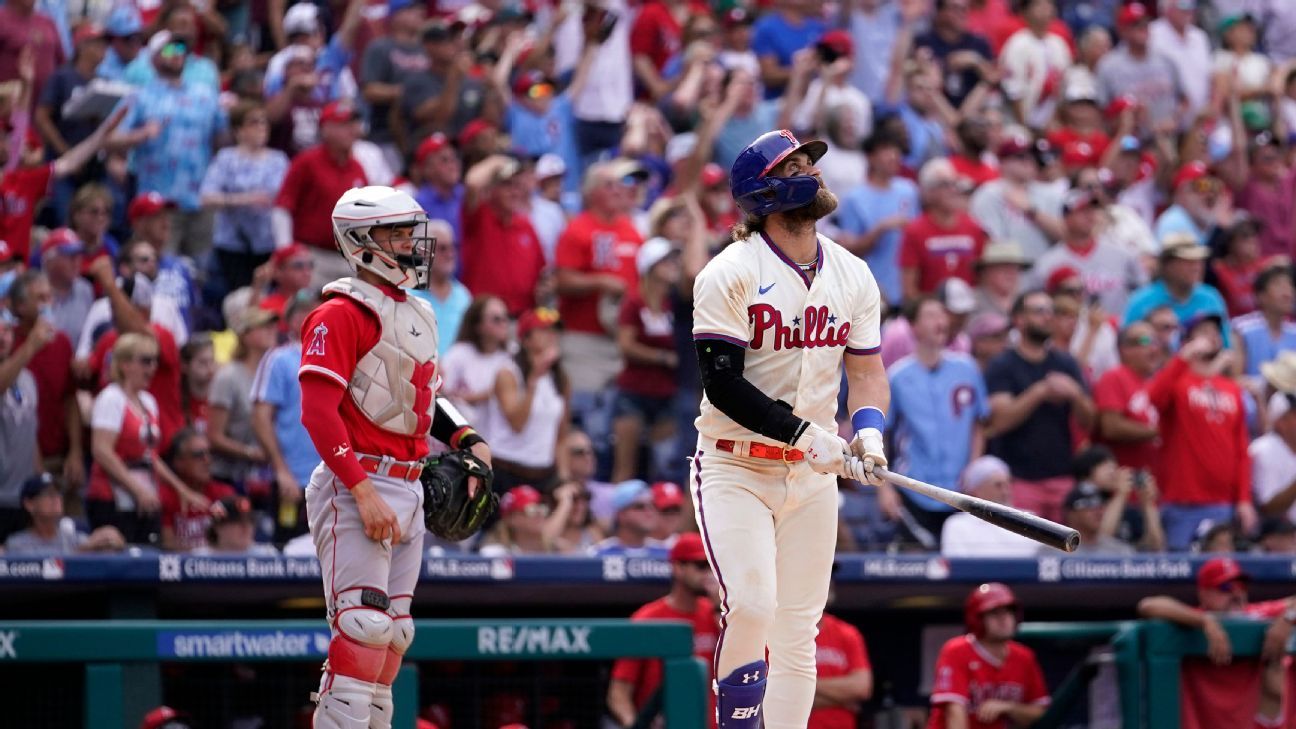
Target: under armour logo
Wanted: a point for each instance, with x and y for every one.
(414, 332)
(316, 346)
(749, 677)
(746, 712)
(341, 450)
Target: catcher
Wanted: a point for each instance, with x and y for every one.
(369, 381)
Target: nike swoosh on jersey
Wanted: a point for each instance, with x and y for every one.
(765, 289)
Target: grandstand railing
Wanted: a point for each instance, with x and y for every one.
(121, 658)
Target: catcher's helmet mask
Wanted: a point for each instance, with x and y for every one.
(361, 211)
(760, 194)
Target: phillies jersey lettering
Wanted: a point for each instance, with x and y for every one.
(819, 329)
(1217, 405)
(796, 330)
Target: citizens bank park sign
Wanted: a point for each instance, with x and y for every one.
(148, 567)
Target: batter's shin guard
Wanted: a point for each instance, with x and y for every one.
(380, 714)
(739, 696)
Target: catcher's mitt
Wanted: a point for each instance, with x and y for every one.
(448, 511)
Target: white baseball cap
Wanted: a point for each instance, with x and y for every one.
(549, 165)
(301, 18)
(956, 295)
(1279, 404)
(652, 252)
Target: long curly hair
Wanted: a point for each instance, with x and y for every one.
(747, 227)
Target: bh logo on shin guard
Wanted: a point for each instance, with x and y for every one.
(746, 712)
(749, 677)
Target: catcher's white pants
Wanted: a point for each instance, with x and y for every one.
(349, 559)
(770, 532)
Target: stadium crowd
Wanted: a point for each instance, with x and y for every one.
(1082, 215)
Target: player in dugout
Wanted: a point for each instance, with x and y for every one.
(634, 680)
(1222, 592)
(984, 678)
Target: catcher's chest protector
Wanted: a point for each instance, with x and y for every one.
(394, 382)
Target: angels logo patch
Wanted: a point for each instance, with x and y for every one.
(316, 345)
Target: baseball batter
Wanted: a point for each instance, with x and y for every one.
(777, 313)
(369, 379)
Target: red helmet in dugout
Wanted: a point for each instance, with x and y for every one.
(983, 599)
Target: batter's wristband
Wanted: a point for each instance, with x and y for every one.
(868, 417)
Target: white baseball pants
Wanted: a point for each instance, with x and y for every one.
(349, 559)
(770, 531)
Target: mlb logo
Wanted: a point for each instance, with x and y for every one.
(52, 568)
(501, 569)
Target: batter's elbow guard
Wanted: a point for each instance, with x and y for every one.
(721, 364)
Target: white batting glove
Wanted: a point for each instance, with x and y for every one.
(867, 443)
(854, 469)
(825, 452)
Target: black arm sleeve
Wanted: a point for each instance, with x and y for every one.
(722, 378)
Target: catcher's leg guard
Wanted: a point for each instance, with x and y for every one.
(362, 632)
(342, 703)
(402, 635)
(739, 696)
(381, 707)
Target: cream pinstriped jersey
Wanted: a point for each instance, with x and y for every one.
(796, 332)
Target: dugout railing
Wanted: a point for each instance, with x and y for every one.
(1147, 656)
(121, 658)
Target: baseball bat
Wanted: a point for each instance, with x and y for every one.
(1005, 517)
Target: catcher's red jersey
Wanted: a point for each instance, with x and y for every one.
(968, 674)
(334, 338)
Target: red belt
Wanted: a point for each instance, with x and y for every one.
(760, 450)
(402, 470)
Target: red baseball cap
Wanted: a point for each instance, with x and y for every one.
(147, 204)
(160, 716)
(519, 498)
(1014, 144)
(292, 250)
(527, 81)
(839, 41)
(1059, 275)
(687, 548)
(533, 319)
(666, 495)
(87, 32)
(1132, 14)
(430, 146)
(338, 111)
(713, 174)
(63, 240)
(472, 129)
(1218, 571)
(1190, 172)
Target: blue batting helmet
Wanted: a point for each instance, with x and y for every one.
(760, 195)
